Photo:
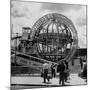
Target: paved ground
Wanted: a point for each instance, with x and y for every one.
(31, 82)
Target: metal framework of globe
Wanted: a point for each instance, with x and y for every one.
(56, 37)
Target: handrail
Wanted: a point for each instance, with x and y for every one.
(43, 60)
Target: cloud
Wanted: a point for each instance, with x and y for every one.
(18, 10)
(24, 14)
(82, 37)
(59, 6)
(81, 21)
(17, 14)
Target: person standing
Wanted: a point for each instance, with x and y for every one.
(53, 70)
(61, 70)
(81, 63)
(66, 71)
(45, 72)
(72, 62)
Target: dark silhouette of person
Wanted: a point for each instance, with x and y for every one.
(85, 70)
(81, 63)
(53, 70)
(72, 62)
(66, 71)
(61, 70)
(66, 64)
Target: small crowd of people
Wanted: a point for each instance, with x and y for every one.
(49, 71)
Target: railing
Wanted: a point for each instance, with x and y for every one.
(28, 60)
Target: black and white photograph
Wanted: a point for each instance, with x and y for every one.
(48, 44)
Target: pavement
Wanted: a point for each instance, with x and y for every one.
(38, 81)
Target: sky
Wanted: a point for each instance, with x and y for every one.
(25, 14)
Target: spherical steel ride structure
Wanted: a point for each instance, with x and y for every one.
(56, 37)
